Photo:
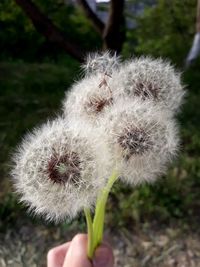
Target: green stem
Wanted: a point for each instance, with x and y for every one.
(98, 224)
(90, 248)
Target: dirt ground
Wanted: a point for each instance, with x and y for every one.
(144, 246)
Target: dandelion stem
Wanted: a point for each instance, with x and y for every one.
(95, 230)
(98, 223)
(90, 249)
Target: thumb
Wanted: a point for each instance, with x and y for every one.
(103, 256)
(77, 253)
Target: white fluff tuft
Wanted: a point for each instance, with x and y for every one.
(57, 171)
(89, 99)
(141, 138)
(149, 79)
(104, 63)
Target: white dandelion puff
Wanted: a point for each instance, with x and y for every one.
(141, 138)
(89, 99)
(149, 79)
(103, 63)
(57, 171)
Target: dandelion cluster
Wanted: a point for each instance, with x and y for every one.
(120, 116)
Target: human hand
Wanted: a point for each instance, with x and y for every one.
(74, 254)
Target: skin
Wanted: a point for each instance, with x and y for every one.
(74, 254)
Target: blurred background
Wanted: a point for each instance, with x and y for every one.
(42, 44)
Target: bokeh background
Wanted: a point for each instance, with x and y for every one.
(41, 46)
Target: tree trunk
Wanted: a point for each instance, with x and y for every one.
(46, 27)
(114, 32)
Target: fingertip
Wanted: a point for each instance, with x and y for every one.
(56, 256)
(103, 256)
(77, 254)
(80, 239)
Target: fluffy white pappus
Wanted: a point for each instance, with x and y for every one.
(104, 63)
(141, 139)
(148, 78)
(57, 171)
(89, 99)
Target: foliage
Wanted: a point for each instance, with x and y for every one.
(165, 29)
(19, 39)
(17, 33)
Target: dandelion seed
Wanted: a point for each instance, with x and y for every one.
(57, 170)
(95, 105)
(142, 139)
(89, 99)
(149, 79)
(103, 63)
(64, 169)
(134, 141)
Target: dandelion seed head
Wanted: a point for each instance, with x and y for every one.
(134, 141)
(64, 169)
(96, 103)
(149, 79)
(142, 140)
(103, 62)
(89, 99)
(57, 172)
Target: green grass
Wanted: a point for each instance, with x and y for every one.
(31, 93)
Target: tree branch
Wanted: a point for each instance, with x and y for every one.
(96, 21)
(114, 32)
(46, 27)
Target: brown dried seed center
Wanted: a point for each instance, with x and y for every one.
(134, 142)
(64, 169)
(96, 104)
(146, 90)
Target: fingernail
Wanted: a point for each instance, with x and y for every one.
(103, 257)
